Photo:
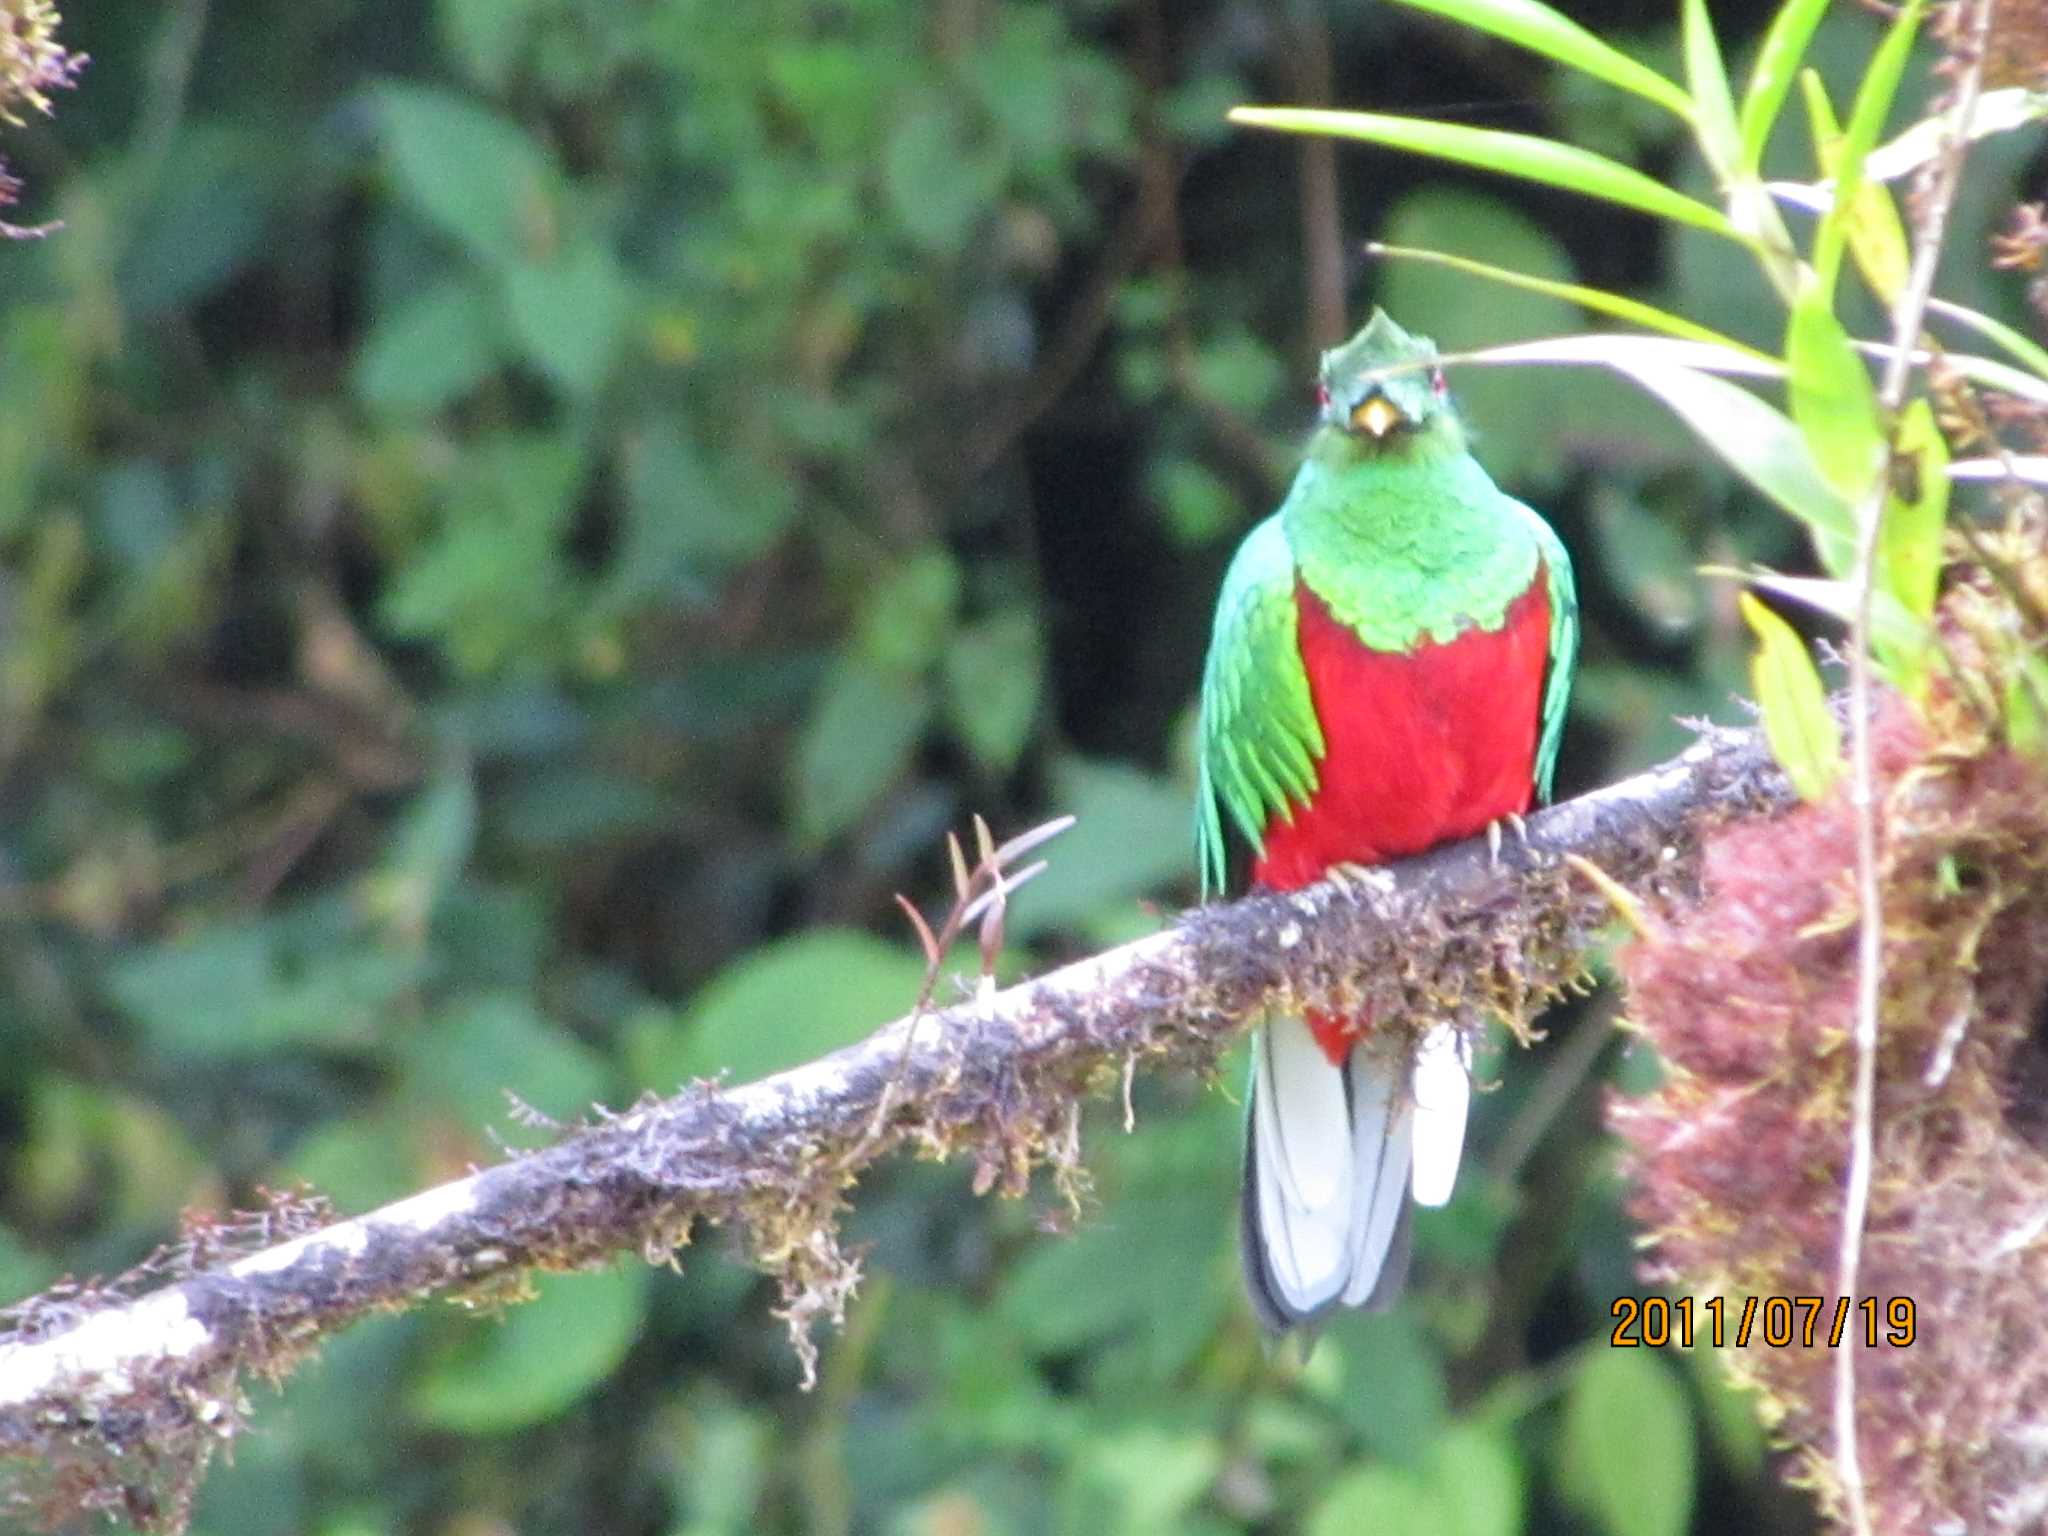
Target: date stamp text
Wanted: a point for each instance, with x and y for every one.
(1779, 1321)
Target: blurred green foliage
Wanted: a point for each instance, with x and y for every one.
(523, 521)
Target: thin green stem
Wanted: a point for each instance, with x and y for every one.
(1907, 320)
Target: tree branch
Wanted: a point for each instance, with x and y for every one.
(137, 1389)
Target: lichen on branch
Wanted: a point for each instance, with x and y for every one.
(116, 1398)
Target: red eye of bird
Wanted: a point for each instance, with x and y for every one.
(1436, 381)
(1322, 395)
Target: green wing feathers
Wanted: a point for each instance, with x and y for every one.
(1259, 738)
(1564, 646)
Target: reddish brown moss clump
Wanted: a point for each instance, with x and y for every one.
(1739, 1160)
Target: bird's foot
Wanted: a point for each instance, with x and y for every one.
(1351, 879)
(1494, 836)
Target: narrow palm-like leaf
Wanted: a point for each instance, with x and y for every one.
(1754, 438)
(1514, 154)
(1893, 631)
(1996, 112)
(1877, 238)
(2029, 468)
(2026, 708)
(1803, 735)
(1771, 77)
(1909, 554)
(1987, 371)
(1874, 98)
(1762, 445)
(1542, 30)
(1600, 300)
(1619, 350)
(1997, 332)
(1832, 397)
(1706, 76)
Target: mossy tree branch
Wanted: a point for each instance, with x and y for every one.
(126, 1394)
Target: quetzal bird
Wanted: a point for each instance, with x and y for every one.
(1388, 671)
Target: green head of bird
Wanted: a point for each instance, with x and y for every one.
(1383, 392)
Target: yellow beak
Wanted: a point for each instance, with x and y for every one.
(1376, 414)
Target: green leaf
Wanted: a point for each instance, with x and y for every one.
(433, 348)
(1389, 1386)
(858, 740)
(1706, 76)
(1987, 371)
(1874, 98)
(1895, 634)
(1832, 398)
(575, 801)
(1377, 1499)
(540, 1357)
(1877, 238)
(906, 618)
(2026, 707)
(1802, 731)
(489, 583)
(1623, 351)
(468, 1055)
(570, 314)
(1761, 444)
(1730, 1413)
(1150, 1478)
(1478, 1480)
(23, 1270)
(201, 217)
(1197, 503)
(1647, 550)
(1101, 1284)
(1771, 77)
(689, 521)
(485, 37)
(1599, 300)
(1628, 1444)
(308, 977)
(1909, 547)
(431, 841)
(472, 174)
(1468, 1483)
(939, 187)
(2019, 346)
(785, 1003)
(1999, 111)
(1542, 30)
(366, 1160)
(992, 673)
(1513, 154)
(1131, 837)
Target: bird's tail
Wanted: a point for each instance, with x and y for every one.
(1335, 1160)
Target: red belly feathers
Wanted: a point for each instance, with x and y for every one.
(1419, 748)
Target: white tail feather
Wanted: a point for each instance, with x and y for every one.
(1328, 1156)
(1301, 1131)
(1442, 1089)
(1382, 1125)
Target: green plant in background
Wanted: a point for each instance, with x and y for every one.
(1765, 1094)
(1821, 458)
